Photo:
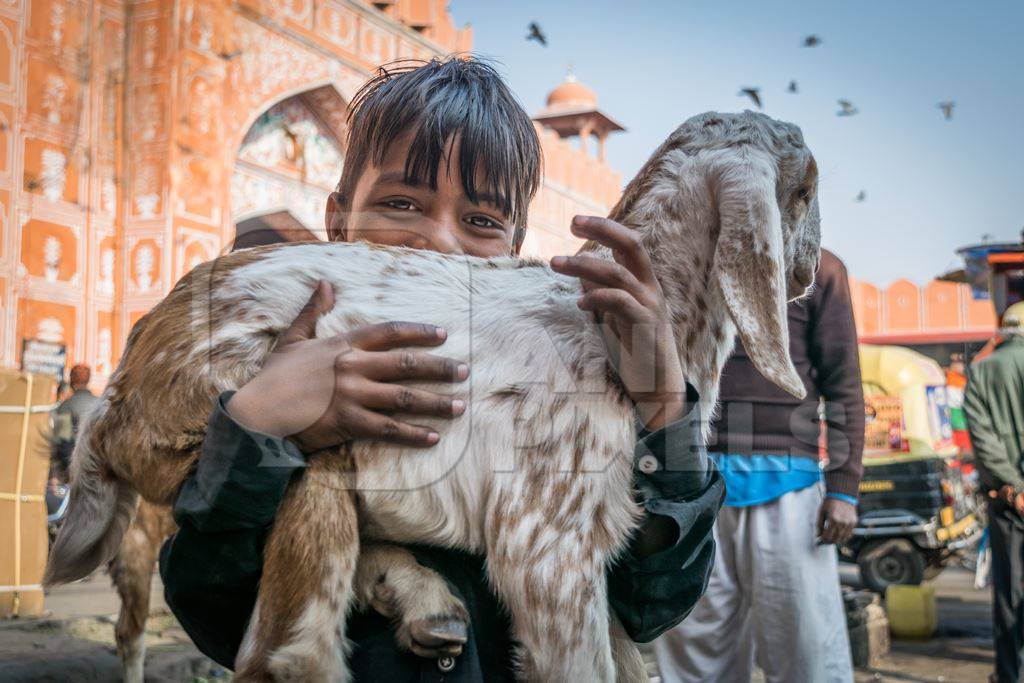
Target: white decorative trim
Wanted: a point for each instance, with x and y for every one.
(12, 84)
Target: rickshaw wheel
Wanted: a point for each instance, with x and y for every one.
(886, 562)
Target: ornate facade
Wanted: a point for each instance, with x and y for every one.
(136, 135)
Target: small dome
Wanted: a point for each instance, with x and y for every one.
(572, 93)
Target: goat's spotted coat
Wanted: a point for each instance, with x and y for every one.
(537, 474)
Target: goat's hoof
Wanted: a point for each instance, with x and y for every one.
(437, 636)
(383, 600)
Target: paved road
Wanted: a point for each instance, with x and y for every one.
(76, 642)
(961, 650)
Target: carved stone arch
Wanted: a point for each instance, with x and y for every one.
(287, 160)
(329, 93)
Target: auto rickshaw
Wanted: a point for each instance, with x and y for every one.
(918, 503)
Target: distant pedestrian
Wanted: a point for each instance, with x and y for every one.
(66, 419)
(774, 597)
(994, 403)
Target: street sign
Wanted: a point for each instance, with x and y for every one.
(44, 357)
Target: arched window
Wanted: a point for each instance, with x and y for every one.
(289, 161)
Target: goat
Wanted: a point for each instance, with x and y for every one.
(427, 616)
(537, 473)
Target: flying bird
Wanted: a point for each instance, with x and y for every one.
(812, 41)
(753, 94)
(846, 108)
(537, 34)
(861, 196)
(947, 108)
(793, 87)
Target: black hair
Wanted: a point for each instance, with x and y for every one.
(440, 99)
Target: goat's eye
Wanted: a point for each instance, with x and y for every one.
(803, 194)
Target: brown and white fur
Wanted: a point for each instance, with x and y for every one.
(537, 474)
(429, 619)
(131, 571)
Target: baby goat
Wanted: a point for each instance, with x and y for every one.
(537, 474)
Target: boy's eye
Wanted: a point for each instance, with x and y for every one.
(399, 204)
(483, 222)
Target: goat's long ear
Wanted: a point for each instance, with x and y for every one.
(750, 267)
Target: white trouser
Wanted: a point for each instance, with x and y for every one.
(773, 598)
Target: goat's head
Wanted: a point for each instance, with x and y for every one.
(762, 182)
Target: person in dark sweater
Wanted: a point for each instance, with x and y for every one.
(398, 189)
(774, 595)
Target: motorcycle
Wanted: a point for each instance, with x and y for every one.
(57, 498)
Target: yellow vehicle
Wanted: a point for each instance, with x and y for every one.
(918, 504)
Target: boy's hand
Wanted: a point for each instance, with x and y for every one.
(629, 304)
(323, 392)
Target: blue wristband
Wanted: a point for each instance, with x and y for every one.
(843, 497)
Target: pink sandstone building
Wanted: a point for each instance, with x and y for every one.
(141, 137)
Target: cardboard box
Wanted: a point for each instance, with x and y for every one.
(25, 403)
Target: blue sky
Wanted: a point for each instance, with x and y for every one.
(932, 185)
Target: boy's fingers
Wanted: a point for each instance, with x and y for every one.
(391, 366)
(599, 271)
(390, 335)
(400, 399)
(624, 243)
(367, 424)
(304, 326)
(613, 301)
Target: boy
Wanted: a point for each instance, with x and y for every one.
(440, 157)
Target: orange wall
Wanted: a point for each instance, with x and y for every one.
(119, 131)
(936, 312)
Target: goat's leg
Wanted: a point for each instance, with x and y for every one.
(131, 570)
(429, 620)
(554, 587)
(629, 664)
(297, 631)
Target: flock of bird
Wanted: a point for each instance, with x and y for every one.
(846, 107)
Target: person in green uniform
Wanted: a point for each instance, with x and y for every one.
(440, 157)
(994, 403)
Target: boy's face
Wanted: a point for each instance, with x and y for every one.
(387, 210)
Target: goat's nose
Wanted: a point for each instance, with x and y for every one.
(803, 275)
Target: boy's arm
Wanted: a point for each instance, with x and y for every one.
(656, 582)
(211, 567)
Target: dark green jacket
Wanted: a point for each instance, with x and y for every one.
(211, 568)
(994, 404)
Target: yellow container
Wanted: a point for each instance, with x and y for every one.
(911, 611)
